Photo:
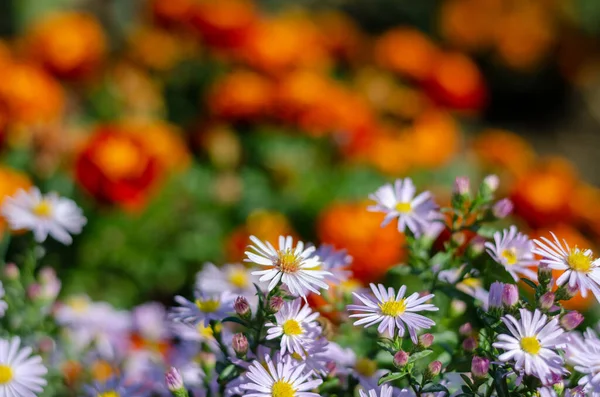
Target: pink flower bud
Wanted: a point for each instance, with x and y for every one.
(491, 182)
(462, 186)
(502, 208)
(401, 358)
(466, 329)
(242, 307)
(34, 291)
(480, 367)
(470, 344)
(547, 301)
(174, 380)
(571, 320)
(240, 344)
(434, 368)
(11, 271)
(426, 340)
(510, 295)
(275, 304)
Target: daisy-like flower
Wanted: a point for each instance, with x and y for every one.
(315, 356)
(513, 250)
(283, 379)
(20, 373)
(204, 307)
(393, 311)
(230, 277)
(532, 344)
(583, 352)
(44, 215)
(295, 267)
(581, 269)
(335, 261)
(295, 325)
(399, 201)
(385, 391)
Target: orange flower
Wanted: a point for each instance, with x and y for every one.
(542, 195)
(157, 49)
(390, 151)
(434, 139)
(340, 36)
(503, 151)
(138, 95)
(470, 24)
(69, 44)
(171, 12)
(573, 238)
(265, 225)
(374, 249)
(10, 182)
(456, 81)
(29, 95)
(116, 167)
(223, 23)
(71, 371)
(275, 46)
(406, 51)
(222, 145)
(241, 95)
(583, 205)
(102, 371)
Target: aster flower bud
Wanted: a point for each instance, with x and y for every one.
(502, 208)
(275, 304)
(242, 307)
(457, 307)
(174, 383)
(547, 300)
(544, 275)
(491, 182)
(401, 358)
(480, 367)
(477, 245)
(426, 340)
(470, 344)
(510, 295)
(433, 369)
(240, 345)
(495, 295)
(466, 329)
(11, 271)
(34, 291)
(571, 320)
(462, 186)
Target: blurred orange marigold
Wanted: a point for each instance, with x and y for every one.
(241, 95)
(503, 152)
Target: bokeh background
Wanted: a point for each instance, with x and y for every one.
(184, 126)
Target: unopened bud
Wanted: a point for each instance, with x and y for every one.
(11, 271)
(502, 208)
(401, 358)
(510, 295)
(470, 344)
(547, 300)
(477, 245)
(466, 329)
(240, 345)
(495, 295)
(571, 320)
(426, 340)
(433, 369)
(34, 291)
(491, 182)
(462, 186)
(544, 274)
(457, 307)
(174, 381)
(242, 307)
(480, 367)
(275, 304)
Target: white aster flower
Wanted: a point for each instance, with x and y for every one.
(44, 215)
(532, 344)
(295, 325)
(294, 267)
(393, 311)
(230, 277)
(583, 352)
(315, 356)
(205, 307)
(283, 379)
(335, 261)
(513, 250)
(21, 375)
(580, 268)
(399, 201)
(385, 391)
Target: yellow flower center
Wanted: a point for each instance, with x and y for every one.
(43, 209)
(208, 305)
(6, 374)
(239, 278)
(578, 261)
(281, 388)
(472, 282)
(510, 255)
(288, 262)
(393, 308)
(79, 304)
(530, 345)
(119, 158)
(403, 207)
(365, 367)
(110, 393)
(292, 327)
(206, 332)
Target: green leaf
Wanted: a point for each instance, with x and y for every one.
(390, 377)
(467, 381)
(529, 283)
(419, 355)
(435, 388)
(236, 320)
(227, 372)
